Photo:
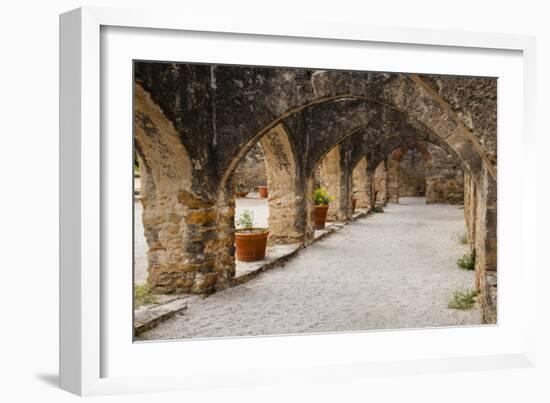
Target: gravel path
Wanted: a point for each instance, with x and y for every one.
(391, 270)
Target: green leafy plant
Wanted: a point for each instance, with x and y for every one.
(468, 261)
(463, 300)
(143, 295)
(245, 221)
(321, 196)
(239, 187)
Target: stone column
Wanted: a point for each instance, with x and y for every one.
(334, 178)
(380, 182)
(346, 187)
(393, 180)
(360, 184)
(189, 231)
(386, 183)
(470, 208)
(190, 237)
(486, 245)
(371, 188)
(287, 199)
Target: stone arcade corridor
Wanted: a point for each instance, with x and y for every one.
(326, 142)
(390, 270)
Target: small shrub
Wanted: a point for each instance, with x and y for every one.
(462, 239)
(143, 296)
(463, 300)
(321, 196)
(245, 221)
(468, 261)
(239, 187)
(377, 209)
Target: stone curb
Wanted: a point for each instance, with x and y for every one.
(148, 317)
(238, 280)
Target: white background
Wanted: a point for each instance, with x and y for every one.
(238, 356)
(28, 206)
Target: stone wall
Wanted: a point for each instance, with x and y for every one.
(251, 172)
(412, 174)
(444, 178)
(425, 170)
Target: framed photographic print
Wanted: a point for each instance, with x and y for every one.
(246, 201)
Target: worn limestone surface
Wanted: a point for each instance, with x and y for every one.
(444, 178)
(251, 171)
(391, 270)
(359, 179)
(412, 174)
(381, 182)
(194, 124)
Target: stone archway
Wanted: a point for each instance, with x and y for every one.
(430, 172)
(411, 179)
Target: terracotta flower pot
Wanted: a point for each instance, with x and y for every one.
(241, 194)
(353, 204)
(262, 190)
(251, 245)
(320, 216)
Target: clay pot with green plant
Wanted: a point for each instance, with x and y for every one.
(262, 190)
(240, 190)
(250, 242)
(321, 199)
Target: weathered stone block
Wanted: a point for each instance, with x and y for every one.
(200, 216)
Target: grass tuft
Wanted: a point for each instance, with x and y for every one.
(143, 295)
(462, 239)
(463, 300)
(468, 261)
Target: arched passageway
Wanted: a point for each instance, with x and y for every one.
(194, 124)
(425, 170)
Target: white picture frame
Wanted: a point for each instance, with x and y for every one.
(85, 345)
